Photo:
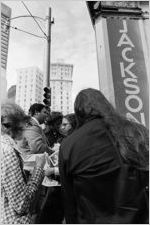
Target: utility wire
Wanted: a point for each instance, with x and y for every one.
(34, 18)
(15, 28)
(16, 17)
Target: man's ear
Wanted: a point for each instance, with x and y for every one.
(36, 113)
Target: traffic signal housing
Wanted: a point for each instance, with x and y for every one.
(47, 96)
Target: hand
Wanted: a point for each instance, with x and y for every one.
(56, 147)
(40, 160)
(49, 171)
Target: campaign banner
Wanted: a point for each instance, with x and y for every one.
(128, 66)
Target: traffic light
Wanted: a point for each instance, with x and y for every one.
(47, 96)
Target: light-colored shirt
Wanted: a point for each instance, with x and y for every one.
(36, 121)
(16, 194)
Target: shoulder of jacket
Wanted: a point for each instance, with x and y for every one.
(69, 140)
(31, 123)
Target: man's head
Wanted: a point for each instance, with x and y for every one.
(38, 111)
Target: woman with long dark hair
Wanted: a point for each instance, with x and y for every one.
(104, 165)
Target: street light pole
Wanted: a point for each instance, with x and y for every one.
(48, 48)
(48, 43)
(48, 38)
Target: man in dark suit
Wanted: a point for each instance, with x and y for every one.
(35, 142)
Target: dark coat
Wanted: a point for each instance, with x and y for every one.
(97, 186)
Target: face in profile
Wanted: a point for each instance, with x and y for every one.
(65, 127)
(42, 115)
(21, 128)
(16, 132)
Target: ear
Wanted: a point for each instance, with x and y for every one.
(36, 113)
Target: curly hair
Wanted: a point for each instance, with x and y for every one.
(36, 107)
(131, 138)
(11, 117)
(72, 120)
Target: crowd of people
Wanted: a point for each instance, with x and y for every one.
(95, 162)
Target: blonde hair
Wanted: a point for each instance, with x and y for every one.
(11, 117)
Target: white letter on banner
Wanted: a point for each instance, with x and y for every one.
(127, 69)
(125, 40)
(136, 89)
(133, 97)
(125, 30)
(130, 116)
(124, 54)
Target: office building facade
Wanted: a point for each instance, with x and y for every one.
(29, 87)
(61, 87)
(5, 20)
(11, 94)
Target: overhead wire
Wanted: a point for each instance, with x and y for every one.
(34, 19)
(15, 28)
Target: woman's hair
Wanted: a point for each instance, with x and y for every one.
(72, 120)
(54, 118)
(11, 117)
(131, 138)
(53, 123)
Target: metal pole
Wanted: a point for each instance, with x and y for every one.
(48, 49)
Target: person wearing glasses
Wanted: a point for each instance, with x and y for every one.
(68, 124)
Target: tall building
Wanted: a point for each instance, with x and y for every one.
(29, 87)
(5, 16)
(11, 94)
(61, 86)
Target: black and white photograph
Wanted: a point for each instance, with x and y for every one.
(74, 112)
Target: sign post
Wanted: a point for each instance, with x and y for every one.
(122, 59)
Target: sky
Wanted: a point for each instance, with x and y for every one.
(72, 40)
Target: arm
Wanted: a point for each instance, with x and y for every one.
(51, 170)
(67, 188)
(35, 140)
(19, 193)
